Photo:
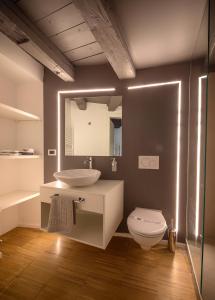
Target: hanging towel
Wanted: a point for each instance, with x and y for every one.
(61, 214)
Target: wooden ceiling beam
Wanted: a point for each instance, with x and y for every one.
(15, 25)
(102, 23)
(81, 103)
(114, 102)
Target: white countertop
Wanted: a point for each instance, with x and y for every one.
(101, 187)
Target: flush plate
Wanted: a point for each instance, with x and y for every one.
(148, 162)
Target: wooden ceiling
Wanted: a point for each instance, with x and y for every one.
(112, 102)
(128, 34)
(63, 24)
(61, 34)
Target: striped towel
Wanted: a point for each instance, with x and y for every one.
(61, 214)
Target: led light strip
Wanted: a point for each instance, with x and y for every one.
(135, 87)
(59, 115)
(198, 157)
(87, 91)
(178, 140)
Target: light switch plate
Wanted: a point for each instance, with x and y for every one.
(148, 162)
(52, 152)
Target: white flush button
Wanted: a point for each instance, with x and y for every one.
(148, 162)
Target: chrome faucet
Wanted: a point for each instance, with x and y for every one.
(89, 161)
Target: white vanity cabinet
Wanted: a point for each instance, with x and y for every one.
(97, 217)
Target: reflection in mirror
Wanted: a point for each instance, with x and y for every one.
(93, 126)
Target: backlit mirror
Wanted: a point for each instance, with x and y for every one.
(93, 126)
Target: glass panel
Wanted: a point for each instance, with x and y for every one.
(208, 284)
(196, 147)
(93, 126)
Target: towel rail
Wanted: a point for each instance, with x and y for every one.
(79, 200)
(74, 205)
(75, 202)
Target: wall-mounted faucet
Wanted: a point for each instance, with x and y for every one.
(89, 162)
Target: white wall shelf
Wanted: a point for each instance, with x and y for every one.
(21, 127)
(12, 113)
(16, 197)
(19, 156)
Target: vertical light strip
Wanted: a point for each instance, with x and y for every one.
(58, 132)
(59, 115)
(178, 159)
(198, 157)
(178, 154)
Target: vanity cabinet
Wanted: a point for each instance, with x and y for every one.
(97, 217)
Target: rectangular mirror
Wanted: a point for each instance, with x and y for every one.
(93, 126)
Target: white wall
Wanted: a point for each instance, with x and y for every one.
(29, 97)
(8, 180)
(29, 213)
(7, 96)
(90, 129)
(7, 90)
(17, 64)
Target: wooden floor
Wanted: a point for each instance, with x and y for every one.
(39, 265)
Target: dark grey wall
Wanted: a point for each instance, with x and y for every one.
(149, 128)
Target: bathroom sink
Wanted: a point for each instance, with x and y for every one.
(78, 177)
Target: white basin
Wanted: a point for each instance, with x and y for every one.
(78, 177)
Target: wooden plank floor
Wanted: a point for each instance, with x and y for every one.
(39, 265)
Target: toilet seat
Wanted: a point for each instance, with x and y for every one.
(146, 235)
(147, 222)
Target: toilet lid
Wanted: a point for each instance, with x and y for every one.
(147, 222)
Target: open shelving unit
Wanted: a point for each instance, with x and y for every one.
(19, 200)
(21, 127)
(19, 156)
(12, 113)
(15, 114)
(16, 197)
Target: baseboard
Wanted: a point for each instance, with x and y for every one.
(33, 226)
(163, 242)
(197, 289)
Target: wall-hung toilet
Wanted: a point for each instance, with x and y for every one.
(146, 226)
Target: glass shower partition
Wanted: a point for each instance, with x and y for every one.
(208, 266)
(196, 149)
